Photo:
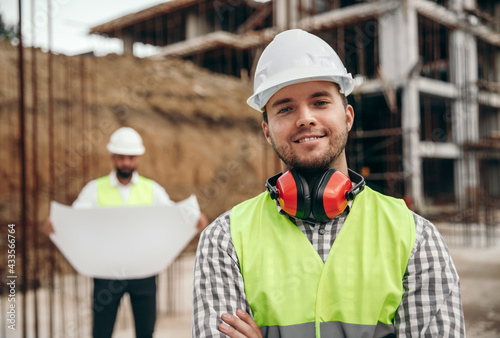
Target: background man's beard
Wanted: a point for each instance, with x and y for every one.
(124, 174)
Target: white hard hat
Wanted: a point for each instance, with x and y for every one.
(125, 141)
(296, 56)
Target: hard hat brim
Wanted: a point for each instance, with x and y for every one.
(125, 151)
(298, 75)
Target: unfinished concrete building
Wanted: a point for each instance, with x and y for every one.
(427, 102)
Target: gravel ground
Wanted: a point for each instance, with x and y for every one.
(479, 270)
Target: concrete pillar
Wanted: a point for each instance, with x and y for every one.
(293, 13)
(458, 5)
(196, 25)
(412, 161)
(468, 4)
(128, 44)
(191, 25)
(497, 56)
(497, 62)
(398, 41)
(280, 12)
(497, 10)
(465, 112)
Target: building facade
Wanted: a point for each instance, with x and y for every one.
(427, 103)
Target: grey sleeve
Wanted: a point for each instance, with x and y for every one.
(218, 284)
(431, 305)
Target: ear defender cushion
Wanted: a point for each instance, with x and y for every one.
(329, 195)
(294, 197)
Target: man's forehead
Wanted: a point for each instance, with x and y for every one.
(124, 156)
(310, 89)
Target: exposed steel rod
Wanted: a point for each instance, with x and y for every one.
(83, 104)
(34, 155)
(51, 162)
(22, 234)
(83, 160)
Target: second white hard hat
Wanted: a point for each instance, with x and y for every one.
(296, 56)
(126, 141)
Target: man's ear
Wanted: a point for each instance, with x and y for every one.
(349, 116)
(265, 129)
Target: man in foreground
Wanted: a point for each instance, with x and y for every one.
(319, 254)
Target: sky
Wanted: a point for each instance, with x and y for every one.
(71, 22)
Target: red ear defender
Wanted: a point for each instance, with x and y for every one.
(329, 197)
(292, 192)
(294, 197)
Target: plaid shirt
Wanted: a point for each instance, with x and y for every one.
(431, 304)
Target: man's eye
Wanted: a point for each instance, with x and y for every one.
(321, 103)
(283, 110)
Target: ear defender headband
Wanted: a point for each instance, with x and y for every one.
(327, 199)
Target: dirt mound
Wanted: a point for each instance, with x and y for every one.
(200, 135)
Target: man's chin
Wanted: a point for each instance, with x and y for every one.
(310, 169)
(311, 165)
(310, 162)
(124, 174)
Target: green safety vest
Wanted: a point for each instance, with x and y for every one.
(355, 293)
(141, 193)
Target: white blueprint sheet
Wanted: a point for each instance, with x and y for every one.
(123, 242)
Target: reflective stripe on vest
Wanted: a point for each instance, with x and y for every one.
(330, 329)
(141, 193)
(357, 290)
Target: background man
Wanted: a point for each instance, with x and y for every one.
(317, 253)
(123, 187)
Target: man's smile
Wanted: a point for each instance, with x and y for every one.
(308, 138)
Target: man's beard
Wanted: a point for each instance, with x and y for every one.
(125, 174)
(304, 165)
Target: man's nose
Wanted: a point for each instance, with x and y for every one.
(127, 161)
(305, 116)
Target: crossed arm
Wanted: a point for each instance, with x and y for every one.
(240, 326)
